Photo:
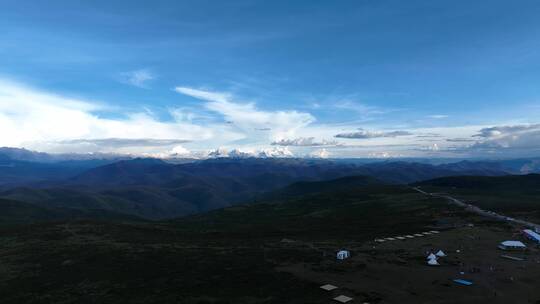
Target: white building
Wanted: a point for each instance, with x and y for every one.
(533, 236)
(512, 245)
(343, 254)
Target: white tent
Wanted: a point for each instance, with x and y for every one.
(433, 262)
(343, 254)
(431, 256)
(440, 253)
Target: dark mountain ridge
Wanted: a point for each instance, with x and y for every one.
(155, 189)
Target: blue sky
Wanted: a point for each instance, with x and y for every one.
(338, 78)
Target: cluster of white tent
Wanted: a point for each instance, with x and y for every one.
(432, 259)
(404, 237)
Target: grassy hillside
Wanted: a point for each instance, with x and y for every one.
(226, 256)
(17, 212)
(279, 251)
(516, 195)
(334, 185)
(346, 214)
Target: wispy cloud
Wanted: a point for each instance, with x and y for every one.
(437, 116)
(138, 78)
(365, 134)
(246, 116)
(429, 135)
(359, 108)
(125, 142)
(305, 142)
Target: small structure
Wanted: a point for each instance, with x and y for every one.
(440, 253)
(390, 239)
(328, 287)
(409, 236)
(433, 262)
(343, 254)
(343, 299)
(512, 245)
(531, 235)
(431, 256)
(418, 234)
(463, 282)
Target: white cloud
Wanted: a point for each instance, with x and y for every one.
(495, 141)
(304, 142)
(246, 116)
(179, 150)
(42, 121)
(138, 78)
(277, 152)
(437, 116)
(47, 122)
(322, 153)
(505, 131)
(515, 139)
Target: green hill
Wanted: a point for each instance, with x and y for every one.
(513, 195)
(225, 256)
(16, 212)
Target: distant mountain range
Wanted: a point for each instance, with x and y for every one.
(156, 189)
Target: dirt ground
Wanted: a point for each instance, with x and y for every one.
(396, 271)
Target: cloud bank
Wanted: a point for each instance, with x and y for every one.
(47, 122)
(515, 137)
(43, 121)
